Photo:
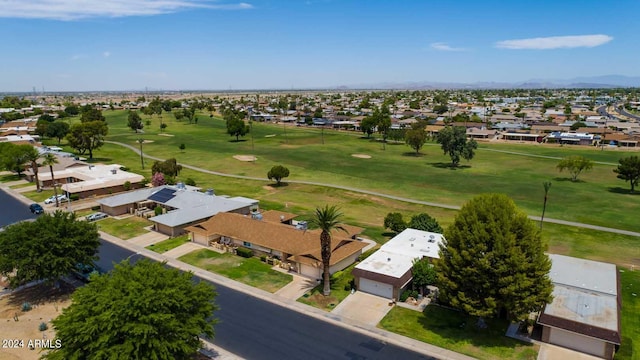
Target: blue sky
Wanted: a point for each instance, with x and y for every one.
(82, 45)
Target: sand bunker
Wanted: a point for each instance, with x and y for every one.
(271, 135)
(361, 156)
(163, 134)
(146, 141)
(245, 157)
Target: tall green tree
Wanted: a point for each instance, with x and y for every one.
(395, 222)
(47, 248)
(141, 311)
(368, 125)
(236, 127)
(425, 222)
(493, 261)
(453, 141)
(87, 136)
(90, 114)
(327, 219)
(58, 130)
(575, 165)
(15, 157)
(134, 121)
(416, 139)
(629, 170)
(277, 173)
(49, 160)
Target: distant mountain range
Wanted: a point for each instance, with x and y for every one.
(595, 82)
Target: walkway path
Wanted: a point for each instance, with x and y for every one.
(392, 197)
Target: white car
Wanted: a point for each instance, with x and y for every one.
(96, 216)
(52, 199)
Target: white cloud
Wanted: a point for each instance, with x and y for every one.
(76, 9)
(106, 54)
(445, 47)
(555, 42)
(78, 57)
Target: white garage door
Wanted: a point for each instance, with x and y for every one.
(310, 271)
(376, 288)
(577, 342)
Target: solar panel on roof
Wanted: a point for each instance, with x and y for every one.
(163, 195)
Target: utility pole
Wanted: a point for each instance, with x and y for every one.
(140, 141)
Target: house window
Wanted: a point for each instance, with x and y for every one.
(246, 244)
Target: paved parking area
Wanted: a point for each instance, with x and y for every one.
(364, 308)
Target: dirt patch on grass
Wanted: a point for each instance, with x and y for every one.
(147, 141)
(46, 302)
(245, 157)
(287, 146)
(163, 134)
(361, 156)
(267, 187)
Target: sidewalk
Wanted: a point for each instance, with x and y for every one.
(335, 319)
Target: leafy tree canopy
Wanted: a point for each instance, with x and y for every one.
(134, 121)
(454, 142)
(169, 167)
(395, 222)
(575, 165)
(46, 249)
(277, 173)
(141, 311)
(416, 139)
(629, 170)
(493, 261)
(91, 114)
(425, 222)
(87, 136)
(236, 127)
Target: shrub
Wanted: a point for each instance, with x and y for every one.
(158, 210)
(126, 186)
(26, 306)
(244, 252)
(148, 122)
(190, 182)
(43, 326)
(263, 258)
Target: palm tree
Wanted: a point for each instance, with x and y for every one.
(50, 160)
(32, 156)
(327, 219)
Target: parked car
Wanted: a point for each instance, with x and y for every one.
(83, 272)
(36, 209)
(96, 216)
(52, 199)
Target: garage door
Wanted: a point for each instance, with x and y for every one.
(577, 342)
(376, 288)
(310, 271)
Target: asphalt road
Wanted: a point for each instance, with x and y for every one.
(256, 329)
(12, 210)
(253, 328)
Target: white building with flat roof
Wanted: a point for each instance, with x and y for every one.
(585, 312)
(387, 272)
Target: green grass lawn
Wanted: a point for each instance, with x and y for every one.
(23, 185)
(39, 196)
(340, 289)
(455, 331)
(166, 245)
(251, 271)
(9, 177)
(126, 228)
(630, 287)
(394, 170)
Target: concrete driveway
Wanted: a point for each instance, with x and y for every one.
(552, 352)
(364, 308)
(149, 238)
(297, 287)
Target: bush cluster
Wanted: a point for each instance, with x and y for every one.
(244, 252)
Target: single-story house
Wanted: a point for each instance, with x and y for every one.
(585, 312)
(387, 272)
(182, 206)
(270, 234)
(85, 180)
(572, 138)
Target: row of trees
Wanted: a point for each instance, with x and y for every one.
(396, 223)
